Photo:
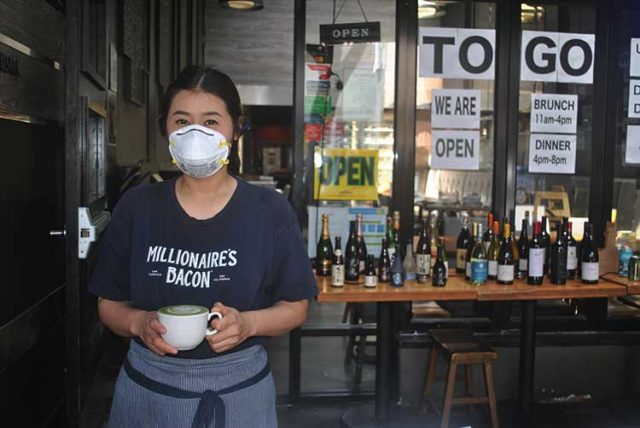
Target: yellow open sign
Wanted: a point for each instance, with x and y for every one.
(346, 174)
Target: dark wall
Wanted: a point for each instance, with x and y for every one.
(32, 264)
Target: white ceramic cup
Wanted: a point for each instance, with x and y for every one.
(187, 325)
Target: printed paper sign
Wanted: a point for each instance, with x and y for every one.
(455, 108)
(554, 113)
(557, 57)
(457, 53)
(552, 154)
(455, 150)
(632, 151)
(634, 98)
(634, 56)
(346, 174)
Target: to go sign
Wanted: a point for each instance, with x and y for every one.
(557, 57)
(458, 53)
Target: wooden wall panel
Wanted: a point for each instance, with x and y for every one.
(252, 47)
(36, 24)
(37, 91)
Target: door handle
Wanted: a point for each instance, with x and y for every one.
(58, 233)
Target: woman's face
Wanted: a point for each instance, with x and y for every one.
(200, 108)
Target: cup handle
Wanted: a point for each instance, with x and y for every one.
(211, 330)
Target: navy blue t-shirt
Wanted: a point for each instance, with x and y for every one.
(249, 256)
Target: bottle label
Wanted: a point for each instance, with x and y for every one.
(396, 279)
(337, 275)
(523, 265)
(461, 257)
(479, 270)
(392, 252)
(572, 257)
(439, 281)
(590, 271)
(370, 280)
(424, 263)
(536, 262)
(493, 268)
(623, 261)
(361, 265)
(506, 273)
(352, 269)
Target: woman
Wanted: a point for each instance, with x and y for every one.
(259, 276)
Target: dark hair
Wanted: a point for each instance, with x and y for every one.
(205, 79)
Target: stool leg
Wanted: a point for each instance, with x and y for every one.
(469, 376)
(488, 379)
(448, 395)
(431, 371)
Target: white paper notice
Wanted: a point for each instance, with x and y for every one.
(632, 151)
(457, 53)
(554, 113)
(455, 150)
(552, 154)
(455, 108)
(361, 98)
(557, 57)
(634, 98)
(634, 67)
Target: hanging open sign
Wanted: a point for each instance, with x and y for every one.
(357, 32)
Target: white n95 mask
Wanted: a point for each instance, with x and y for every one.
(199, 151)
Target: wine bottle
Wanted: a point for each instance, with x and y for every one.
(423, 255)
(461, 245)
(546, 239)
(589, 259)
(337, 267)
(362, 247)
(439, 274)
(409, 263)
(558, 259)
(352, 261)
(384, 263)
(338, 244)
(324, 250)
(370, 277)
(397, 270)
(433, 238)
(494, 251)
(523, 249)
(572, 253)
(487, 238)
(472, 244)
(535, 274)
(514, 245)
(506, 261)
(391, 240)
(479, 264)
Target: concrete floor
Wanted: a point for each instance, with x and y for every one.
(583, 399)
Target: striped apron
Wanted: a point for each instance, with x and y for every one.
(228, 391)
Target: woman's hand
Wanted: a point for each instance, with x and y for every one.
(148, 328)
(233, 329)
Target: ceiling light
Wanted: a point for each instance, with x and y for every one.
(243, 5)
(429, 9)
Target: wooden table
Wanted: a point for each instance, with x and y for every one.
(458, 289)
(633, 287)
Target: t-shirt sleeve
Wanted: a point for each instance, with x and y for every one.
(293, 277)
(110, 278)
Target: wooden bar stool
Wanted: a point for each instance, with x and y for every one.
(463, 349)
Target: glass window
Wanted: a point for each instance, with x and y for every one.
(555, 113)
(626, 184)
(455, 112)
(349, 128)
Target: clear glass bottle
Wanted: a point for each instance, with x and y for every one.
(409, 263)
